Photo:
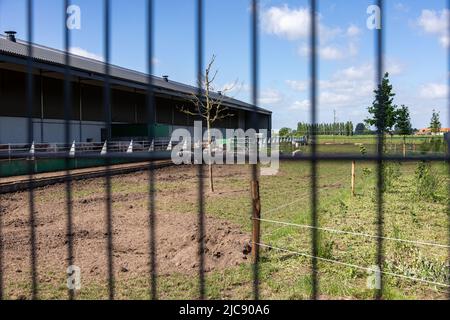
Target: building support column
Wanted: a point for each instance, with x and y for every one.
(42, 105)
(135, 107)
(81, 110)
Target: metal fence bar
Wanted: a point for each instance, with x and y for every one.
(201, 205)
(448, 151)
(30, 95)
(313, 97)
(151, 136)
(254, 121)
(380, 151)
(107, 110)
(67, 115)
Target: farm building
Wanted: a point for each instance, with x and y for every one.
(88, 124)
(427, 131)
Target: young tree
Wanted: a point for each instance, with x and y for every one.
(403, 126)
(209, 107)
(349, 128)
(301, 129)
(383, 111)
(435, 124)
(360, 129)
(383, 115)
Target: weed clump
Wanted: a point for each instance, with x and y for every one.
(427, 181)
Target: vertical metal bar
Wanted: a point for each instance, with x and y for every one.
(254, 124)
(151, 137)
(30, 95)
(313, 97)
(107, 110)
(380, 151)
(1, 257)
(67, 116)
(256, 205)
(201, 205)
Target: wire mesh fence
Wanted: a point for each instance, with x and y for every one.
(148, 152)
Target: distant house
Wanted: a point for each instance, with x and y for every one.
(427, 131)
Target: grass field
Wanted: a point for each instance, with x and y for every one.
(371, 139)
(285, 197)
(415, 145)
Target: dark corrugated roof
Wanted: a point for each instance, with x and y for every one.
(53, 56)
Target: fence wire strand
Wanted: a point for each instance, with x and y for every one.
(355, 266)
(367, 235)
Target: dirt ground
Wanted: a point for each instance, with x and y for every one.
(177, 232)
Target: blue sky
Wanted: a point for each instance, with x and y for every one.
(416, 47)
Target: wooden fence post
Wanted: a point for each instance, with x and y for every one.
(256, 215)
(353, 177)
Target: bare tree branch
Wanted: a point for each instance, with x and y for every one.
(208, 107)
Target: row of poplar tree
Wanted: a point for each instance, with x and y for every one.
(338, 128)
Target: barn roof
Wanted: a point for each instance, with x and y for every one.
(52, 57)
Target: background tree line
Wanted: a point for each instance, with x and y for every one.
(305, 129)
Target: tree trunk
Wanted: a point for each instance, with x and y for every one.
(353, 177)
(211, 182)
(404, 147)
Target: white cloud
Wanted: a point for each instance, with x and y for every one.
(302, 105)
(329, 98)
(351, 87)
(294, 23)
(434, 91)
(84, 53)
(287, 23)
(353, 31)
(156, 61)
(270, 96)
(444, 41)
(297, 85)
(331, 52)
(435, 22)
(394, 68)
(401, 7)
(234, 89)
(356, 73)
